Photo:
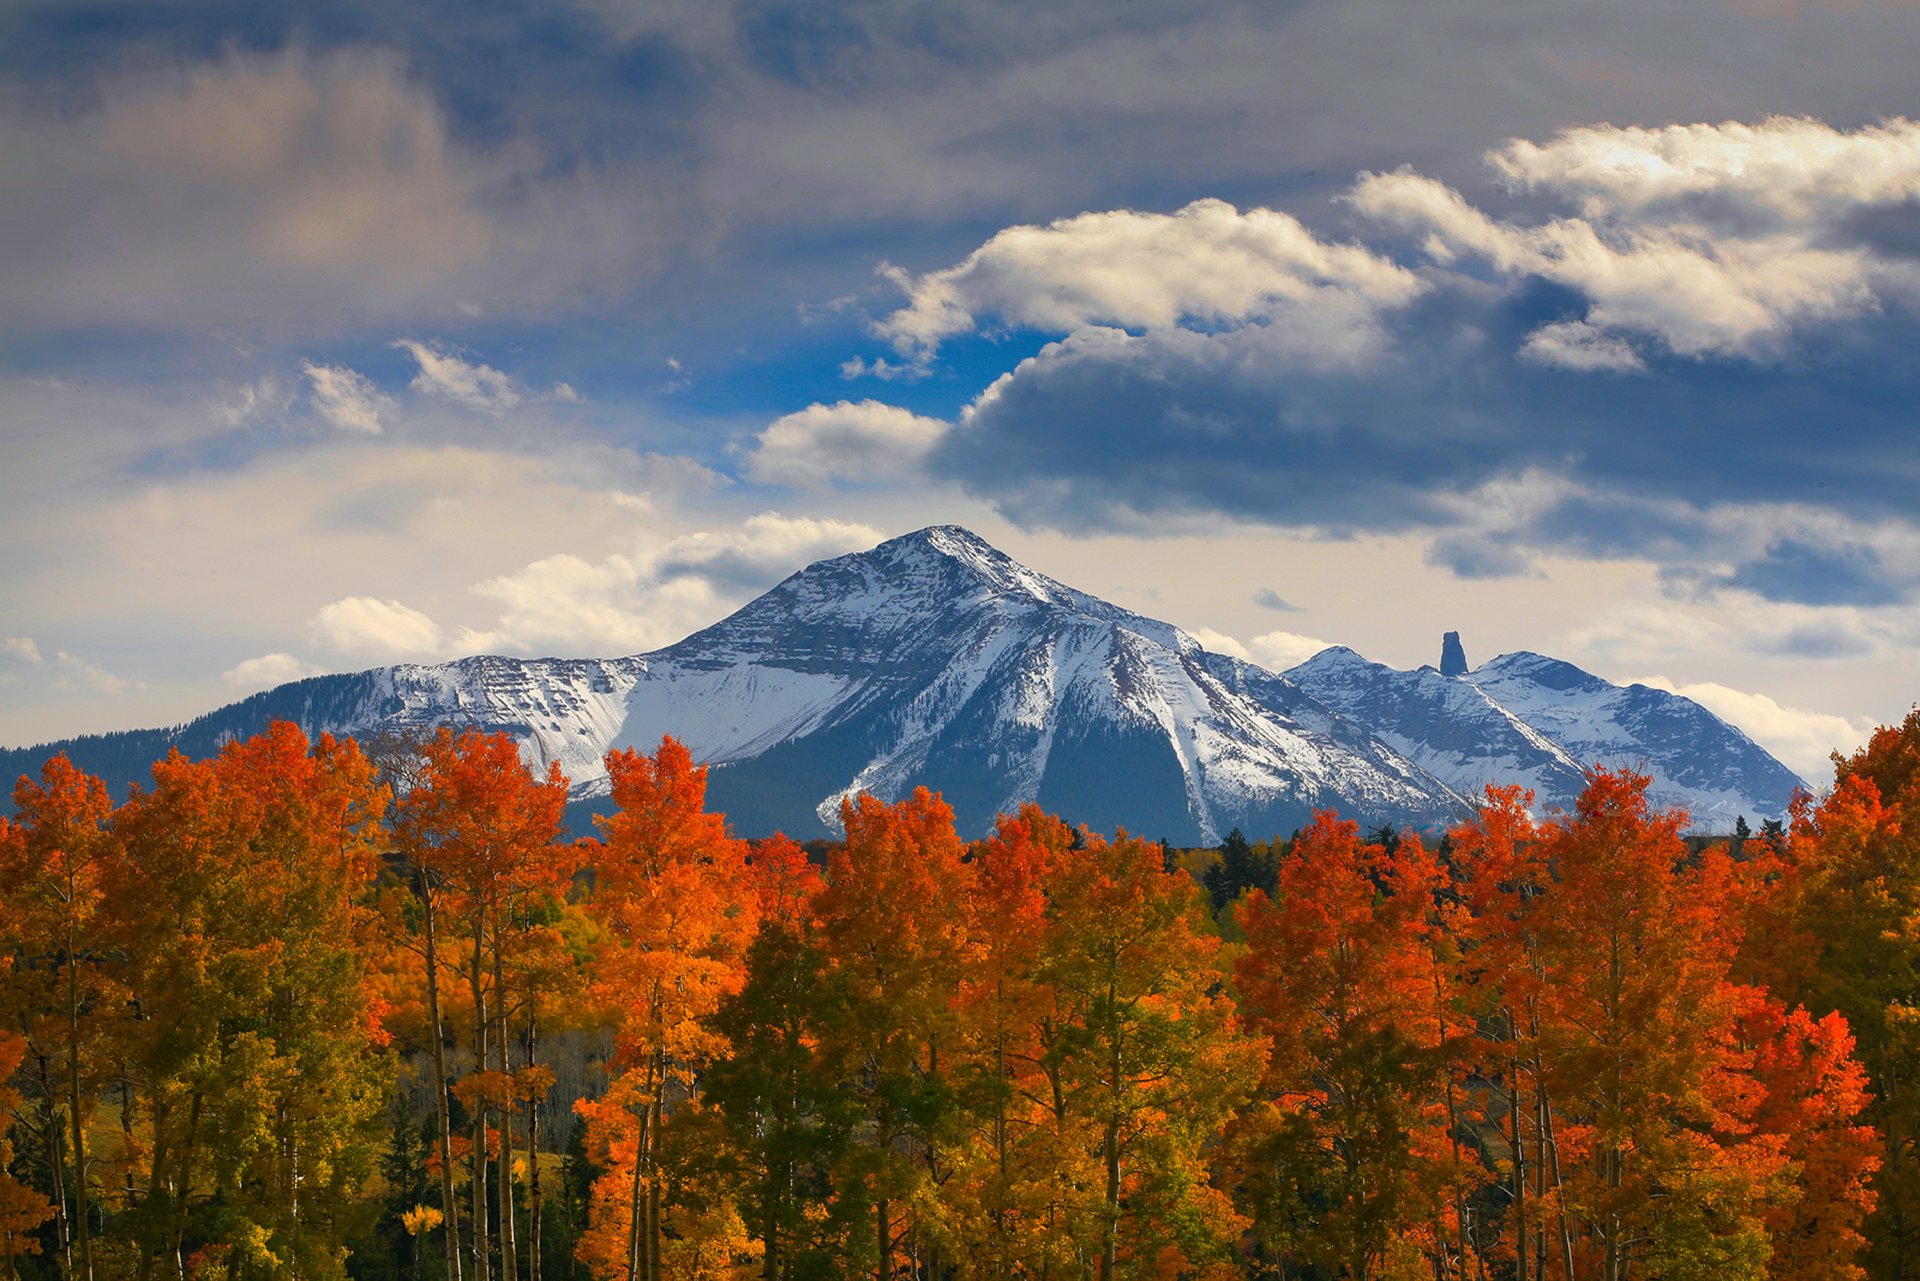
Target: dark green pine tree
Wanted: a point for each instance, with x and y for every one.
(1239, 868)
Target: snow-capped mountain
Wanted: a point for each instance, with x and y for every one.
(1538, 721)
(935, 659)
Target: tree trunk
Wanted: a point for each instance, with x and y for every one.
(83, 1228)
(509, 1237)
(54, 1134)
(450, 1207)
(654, 1233)
(882, 1206)
(476, 982)
(183, 1197)
(534, 1205)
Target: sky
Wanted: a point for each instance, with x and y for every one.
(349, 332)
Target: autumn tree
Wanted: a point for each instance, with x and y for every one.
(893, 928)
(253, 1052)
(1147, 1050)
(1843, 935)
(63, 973)
(678, 906)
(1004, 1195)
(482, 830)
(1352, 1162)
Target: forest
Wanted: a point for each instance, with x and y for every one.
(323, 1010)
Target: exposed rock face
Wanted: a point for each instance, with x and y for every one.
(1453, 659)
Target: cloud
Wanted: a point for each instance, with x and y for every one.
(1714, 240)
(346, 399)
(1801, 738)
(476, 386)
(1796, 168)
(1219, 642)
(1576, 344)
(65, 672)
(1267, 598)
(292, 190)
(629, 603)
(252, 402)
(849, 442)
(1278, 651)
(380, 629)
(1206, 264)
(1275, 651)
(268, 670)
(1808, 571)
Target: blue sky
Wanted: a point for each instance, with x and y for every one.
(337, 334)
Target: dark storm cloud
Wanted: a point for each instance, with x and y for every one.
(595, 145)
(1796, 570)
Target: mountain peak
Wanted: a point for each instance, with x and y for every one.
(980, 561)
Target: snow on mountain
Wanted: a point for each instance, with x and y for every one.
(935, 659)
(1540, 722)
(1697, 760)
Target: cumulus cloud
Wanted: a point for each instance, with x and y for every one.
(268, 670)
(369, 627)
(849, 442)
(20, 651)
(1714, 240)
(1276, 651)
(1219, 642)
(628, 603)
(345, 398)
(477, 386)
(1208, 263)
(1280, 650)
(1797, 168)
(1803, 739)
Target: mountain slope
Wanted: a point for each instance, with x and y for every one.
(935, 659)
(1537, 721)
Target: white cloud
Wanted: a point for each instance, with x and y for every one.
(1576, 344)
(1799, 168)
(476, 386)
(268, 670)
(1281, 650)
(1801, 738)
(64, 672)
(72, 672)
(382, 629)
(19, 651)
(1219, 642)
(846, 442)
(1275, 651)
(347, 399)
(629, 603)
(1716, 240)
(1207, 262)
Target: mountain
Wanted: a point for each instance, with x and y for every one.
(1538, 721)
(934, 658)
